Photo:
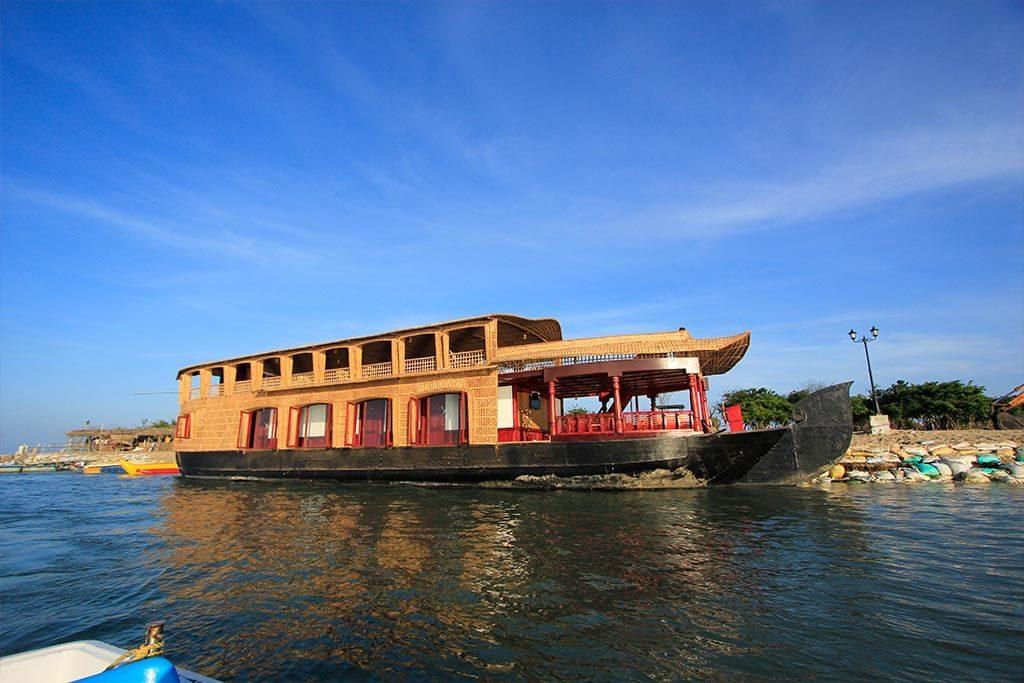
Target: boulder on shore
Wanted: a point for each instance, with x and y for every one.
(973, 476)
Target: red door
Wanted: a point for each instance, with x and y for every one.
(264, 429)
(373, 423)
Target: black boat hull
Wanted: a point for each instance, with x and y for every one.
(783, 455)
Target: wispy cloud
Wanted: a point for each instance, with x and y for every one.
(890, 167)
(230, 244)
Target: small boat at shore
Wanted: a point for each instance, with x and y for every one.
(140, 468)
(16, 469)
(96, 662)
(107, 468)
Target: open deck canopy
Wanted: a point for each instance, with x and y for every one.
(638, 377)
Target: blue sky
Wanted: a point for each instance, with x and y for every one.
(189, 181)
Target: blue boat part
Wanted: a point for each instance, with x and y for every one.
(152, 670)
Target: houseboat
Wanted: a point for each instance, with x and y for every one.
(483, 399)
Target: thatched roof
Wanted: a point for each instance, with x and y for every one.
(717, 355)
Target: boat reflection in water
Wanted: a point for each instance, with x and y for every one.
(311, 580)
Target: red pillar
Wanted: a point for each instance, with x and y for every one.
(705, 411)
(694, 402)
(552, 417)
(618, 405)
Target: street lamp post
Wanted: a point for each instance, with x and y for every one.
(871, 377)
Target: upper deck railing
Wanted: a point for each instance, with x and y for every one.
(466, 359)
(420, 364)
(335, 375)
(456, 360)
(302, 379)
(375, 370)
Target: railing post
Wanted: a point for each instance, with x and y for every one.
(617, 394)
(552, 417)
(319, 366)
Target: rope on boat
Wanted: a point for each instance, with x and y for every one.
(152, 647)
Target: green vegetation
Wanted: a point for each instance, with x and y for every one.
(929, 405)
(160, 423)
(935, 405)
(761, 407)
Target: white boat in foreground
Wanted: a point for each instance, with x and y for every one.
(77, 660)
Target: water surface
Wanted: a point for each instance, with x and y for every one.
(323, 581)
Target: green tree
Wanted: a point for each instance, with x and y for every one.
(761, 407)
(160, 423)
(935, 405)
(862, 408)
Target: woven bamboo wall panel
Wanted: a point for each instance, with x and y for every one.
(215, 419)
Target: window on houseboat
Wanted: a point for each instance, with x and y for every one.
(373, 423)
(258, 429)
(184, 430)
(313, 426)
(442, 420)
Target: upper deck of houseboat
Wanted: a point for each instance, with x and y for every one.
(488, 379)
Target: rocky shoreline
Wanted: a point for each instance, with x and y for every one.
(969, 456)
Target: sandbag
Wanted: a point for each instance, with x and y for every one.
(944, 469)
(1016, 469)
(927, 469)
(991, 460)
(958, 466)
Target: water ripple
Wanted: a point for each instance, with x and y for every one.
(317, 581)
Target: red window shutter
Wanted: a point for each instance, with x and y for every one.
(292, 440)
(350, 424)
(244, 422)
(275, 428)
(329, 426)
(412, 421)
(464, 418)
(188, 426)
(182, 427)
(389, 421)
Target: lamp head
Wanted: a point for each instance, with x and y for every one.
(874, 332)
(853, 335)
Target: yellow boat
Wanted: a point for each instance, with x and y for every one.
(136, 468)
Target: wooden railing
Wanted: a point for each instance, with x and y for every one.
(243, 386)
(466, 359)
(643, 421)
(335, 375)
(420, 364)
(195, 392)
(273, 382)
(375, 370)
(302, 379)
(216, 389)
(656, 420)
(592, 423)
